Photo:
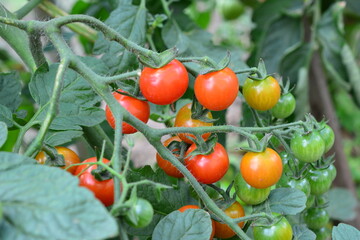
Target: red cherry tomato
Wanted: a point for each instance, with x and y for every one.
(103, 190)
(216, 91)
(164, 85)
(165, 165)
(136, 107)
(210, 168)
(183, 119)
(234, 211)
(261, 170)
(70, 157)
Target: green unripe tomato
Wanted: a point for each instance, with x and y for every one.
(249, 194)
(307, 148)
(316, 218)
(284, 107)
(230, 9)
(320, 181)
(327, 134)
(322, 234)
(140, 214)
(301, 184)
(310, 201)
(279, 230)
(332, 171)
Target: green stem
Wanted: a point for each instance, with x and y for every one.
(28, 7)
(165, 6)
(203, 60)
(53, 108)
(248, 70)
(254, 216)
(122, 76)
(36, 48)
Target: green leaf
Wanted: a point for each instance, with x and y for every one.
(10, 90)
(342, 204)
(3, 133)
(6, 116)
(301, 232)
(77, 100)
(353, 71)
(41, 202)
(56, 138)
(193, 224)
(353, 6)
(146, 231)
(288, 201)
(345, 232)
(130, 22)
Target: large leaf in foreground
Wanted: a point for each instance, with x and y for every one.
(41, 202)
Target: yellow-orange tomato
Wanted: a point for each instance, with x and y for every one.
(261, 95)
(261, 169)
(70, 157)
(183, 119)
(234, 211)
(165, 165)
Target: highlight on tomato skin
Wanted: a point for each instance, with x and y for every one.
(164, 85)
(217, 90)
(138, 108)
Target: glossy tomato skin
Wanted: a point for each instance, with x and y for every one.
(217, 90)
(183, 119)
(164, 85)
(143, 211)
(316, 218)
(165, 165)
(307, 148)
(320, 181)
(186, 207)
(261, 95)
(140, 109)
(210, 168)
(222, 230)
(281, 230)
(230, 9)
(301, 184)
(103, 190)
(70, 157)
(261, 170)
(249, 194)
(284, 107)
(322, 234)
(332, 171)
(328, 135)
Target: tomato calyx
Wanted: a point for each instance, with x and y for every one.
(136, 96)
(157, 60)
(268, 220)
(203, 147)
(198, 112)
(53, 158)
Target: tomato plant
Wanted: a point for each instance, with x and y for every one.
(316, 218)
(308, 147)
(301, 184)
(327, 134)
(320, 181)
(183, 119)
(136, 107)
(70, 157)
(103, 190)
(165, 165)
(164, 85)
(249, 194)
(235, 210)
(284, 107)
(230, 9)
(281, 229)
(217, 90)
(261, 169)
(140, 213)
(208, 168)
(261, 94)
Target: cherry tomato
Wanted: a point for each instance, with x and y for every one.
(307, 148)
(140, 214)
(322, 234)
(217, 90)
(332, 171)
(103, 190)
(310, 201)
(186, 207)
(261, 95)
(70, 157)
(301, 184)
(230, 9)
(249, 194)
(140, 109)
(284, 107)
(316, 218)
(210, 168)
(320, 181)
(164, 85)
(327, 134)
(279, 230)
(165, 165)
(261, 170)
(222, 230)
(183, 119)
